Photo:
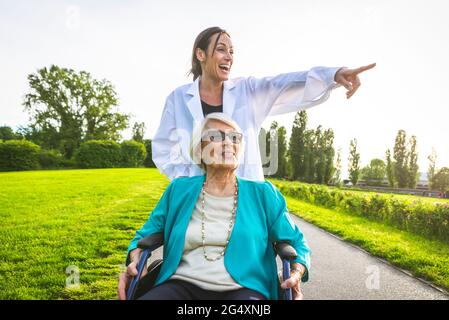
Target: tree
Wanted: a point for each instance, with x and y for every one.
(374, 173)
(311, 152)
(7, 133)
(401, 160)
(440, 181)
(354, 162)
(138, 131)
(413, 167)
(67, 108)
(324, 155)
(319, 155)
(329, 152)
(336, 178)
(297, 146)
(309, 156)
(282, 152)
(432, 167)
(390, 169)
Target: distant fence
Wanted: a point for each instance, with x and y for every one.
(418, 192)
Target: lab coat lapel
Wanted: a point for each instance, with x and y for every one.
(194, 101)
(229, 97)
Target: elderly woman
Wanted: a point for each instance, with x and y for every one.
(219, 228)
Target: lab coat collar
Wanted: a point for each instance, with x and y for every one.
(194, 103)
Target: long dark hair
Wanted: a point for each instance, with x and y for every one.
(202, 41)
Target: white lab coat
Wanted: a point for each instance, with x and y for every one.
(249, 101)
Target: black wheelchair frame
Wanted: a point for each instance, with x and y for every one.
(150, 243)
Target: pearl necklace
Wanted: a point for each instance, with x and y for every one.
(231, 223)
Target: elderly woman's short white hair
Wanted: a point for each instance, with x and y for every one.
(195, 143)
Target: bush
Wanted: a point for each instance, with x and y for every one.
(149, 158)
(430, 220)
(68, 163)
(16, 155)
(50, 159)
(133, 154)
(98, 154)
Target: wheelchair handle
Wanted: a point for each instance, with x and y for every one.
(287, 253)
(285, 276)
(147, 244)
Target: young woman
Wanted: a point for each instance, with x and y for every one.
(247, 100)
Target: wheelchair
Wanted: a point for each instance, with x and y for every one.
(138, 288)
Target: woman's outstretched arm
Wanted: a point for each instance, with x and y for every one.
(296, 91)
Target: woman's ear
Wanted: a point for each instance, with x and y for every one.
(200, 54)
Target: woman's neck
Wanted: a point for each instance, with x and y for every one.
(211, 91)
(220, 183)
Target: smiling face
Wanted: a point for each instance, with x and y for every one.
(218, 154)
(216, 63)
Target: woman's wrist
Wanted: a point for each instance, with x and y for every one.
(301, 269)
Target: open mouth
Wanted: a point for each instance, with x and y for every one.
(225, 67)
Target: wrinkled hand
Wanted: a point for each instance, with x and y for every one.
(349, 78)
(126, 277)
(294, 283)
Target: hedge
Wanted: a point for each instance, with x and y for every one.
(133, 154)
(16, 155)
(98, 154)
(25, 155)
(428, 219)
(149, 159)
(50, 159)
(110, 154)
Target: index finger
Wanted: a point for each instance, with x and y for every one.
(364, 68)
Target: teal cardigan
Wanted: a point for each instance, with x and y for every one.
(262, 218)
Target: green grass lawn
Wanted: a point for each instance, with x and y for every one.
(51, 220)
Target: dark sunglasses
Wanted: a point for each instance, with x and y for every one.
(220, 136)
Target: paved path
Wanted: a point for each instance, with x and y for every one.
(343, 271)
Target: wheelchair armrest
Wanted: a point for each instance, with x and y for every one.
(151, 242)
(285, 250)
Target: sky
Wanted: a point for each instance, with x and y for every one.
(143, 48)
